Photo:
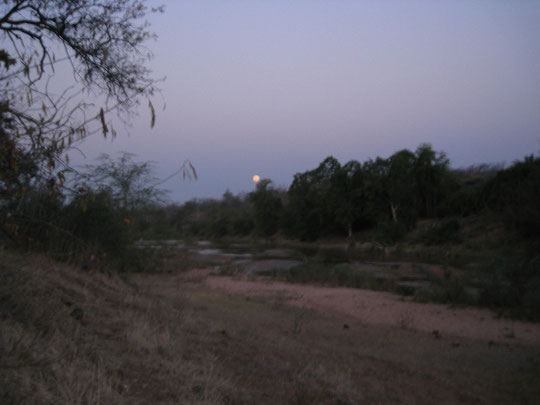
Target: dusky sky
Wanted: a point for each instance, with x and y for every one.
(273, 87)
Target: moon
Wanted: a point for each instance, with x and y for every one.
(256, 178)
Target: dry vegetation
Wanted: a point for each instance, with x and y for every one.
(170, 339)
(128, 346)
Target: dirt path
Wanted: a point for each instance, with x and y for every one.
(385, 309)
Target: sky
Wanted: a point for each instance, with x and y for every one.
(272, 87)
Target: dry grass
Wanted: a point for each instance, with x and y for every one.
(165, 339)
(128, 347)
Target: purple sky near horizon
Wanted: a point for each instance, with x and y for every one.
(274, 87)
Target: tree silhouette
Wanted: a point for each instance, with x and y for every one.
(65, 66)
(130, 184)
(266, 207)
(101, 42)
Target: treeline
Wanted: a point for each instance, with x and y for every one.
(108, 207)
(113, 203)
(91, 216)
(385, 195)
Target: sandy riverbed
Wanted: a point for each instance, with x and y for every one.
(381, 308)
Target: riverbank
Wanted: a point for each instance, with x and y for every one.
(187, 336)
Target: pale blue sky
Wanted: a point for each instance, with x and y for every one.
(274, 86)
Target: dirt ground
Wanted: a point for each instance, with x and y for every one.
(69, 336)
(384, 309)
(301, 344)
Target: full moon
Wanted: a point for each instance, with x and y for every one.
(256, 178)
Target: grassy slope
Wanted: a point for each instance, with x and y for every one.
(159, 340)
(127, 348)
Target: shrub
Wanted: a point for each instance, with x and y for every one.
(338, 275)
(445, 232)
(39, 222)
(513, 286)
(514, 193)
(389, 232)
(451, 291)
(98, 224)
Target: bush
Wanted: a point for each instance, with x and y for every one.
(515, 193)
(445, 232)
(513, 286)
(531, 299)
(95, 222)
(242, 226)
(451, 291)
(337, 275)
(389, 232)
(39, 221)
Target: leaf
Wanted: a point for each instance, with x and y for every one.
(193, 170)
(84, 204)
(103, 123)
(152, 114)
(14, 166)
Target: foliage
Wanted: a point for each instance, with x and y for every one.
(515, 192)
(266, 208)
(336, 275)
(430, 174)
(310, 200)
(37, 223)
(384, 196)
(445, 232)
(376, 175)
(448, 290)
(400, 180)
(17, 168)
(99, 225)
(130, 184)
(512, 286)
(389, 232)
(347, 196)
(42, 115)
(466, 190)
(99, 221)
(391, 190)
(231, 216)
(334, 199)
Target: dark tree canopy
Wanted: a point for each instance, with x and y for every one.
(130, 184)
(267, 208)
(103, 40)
(45, 112)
